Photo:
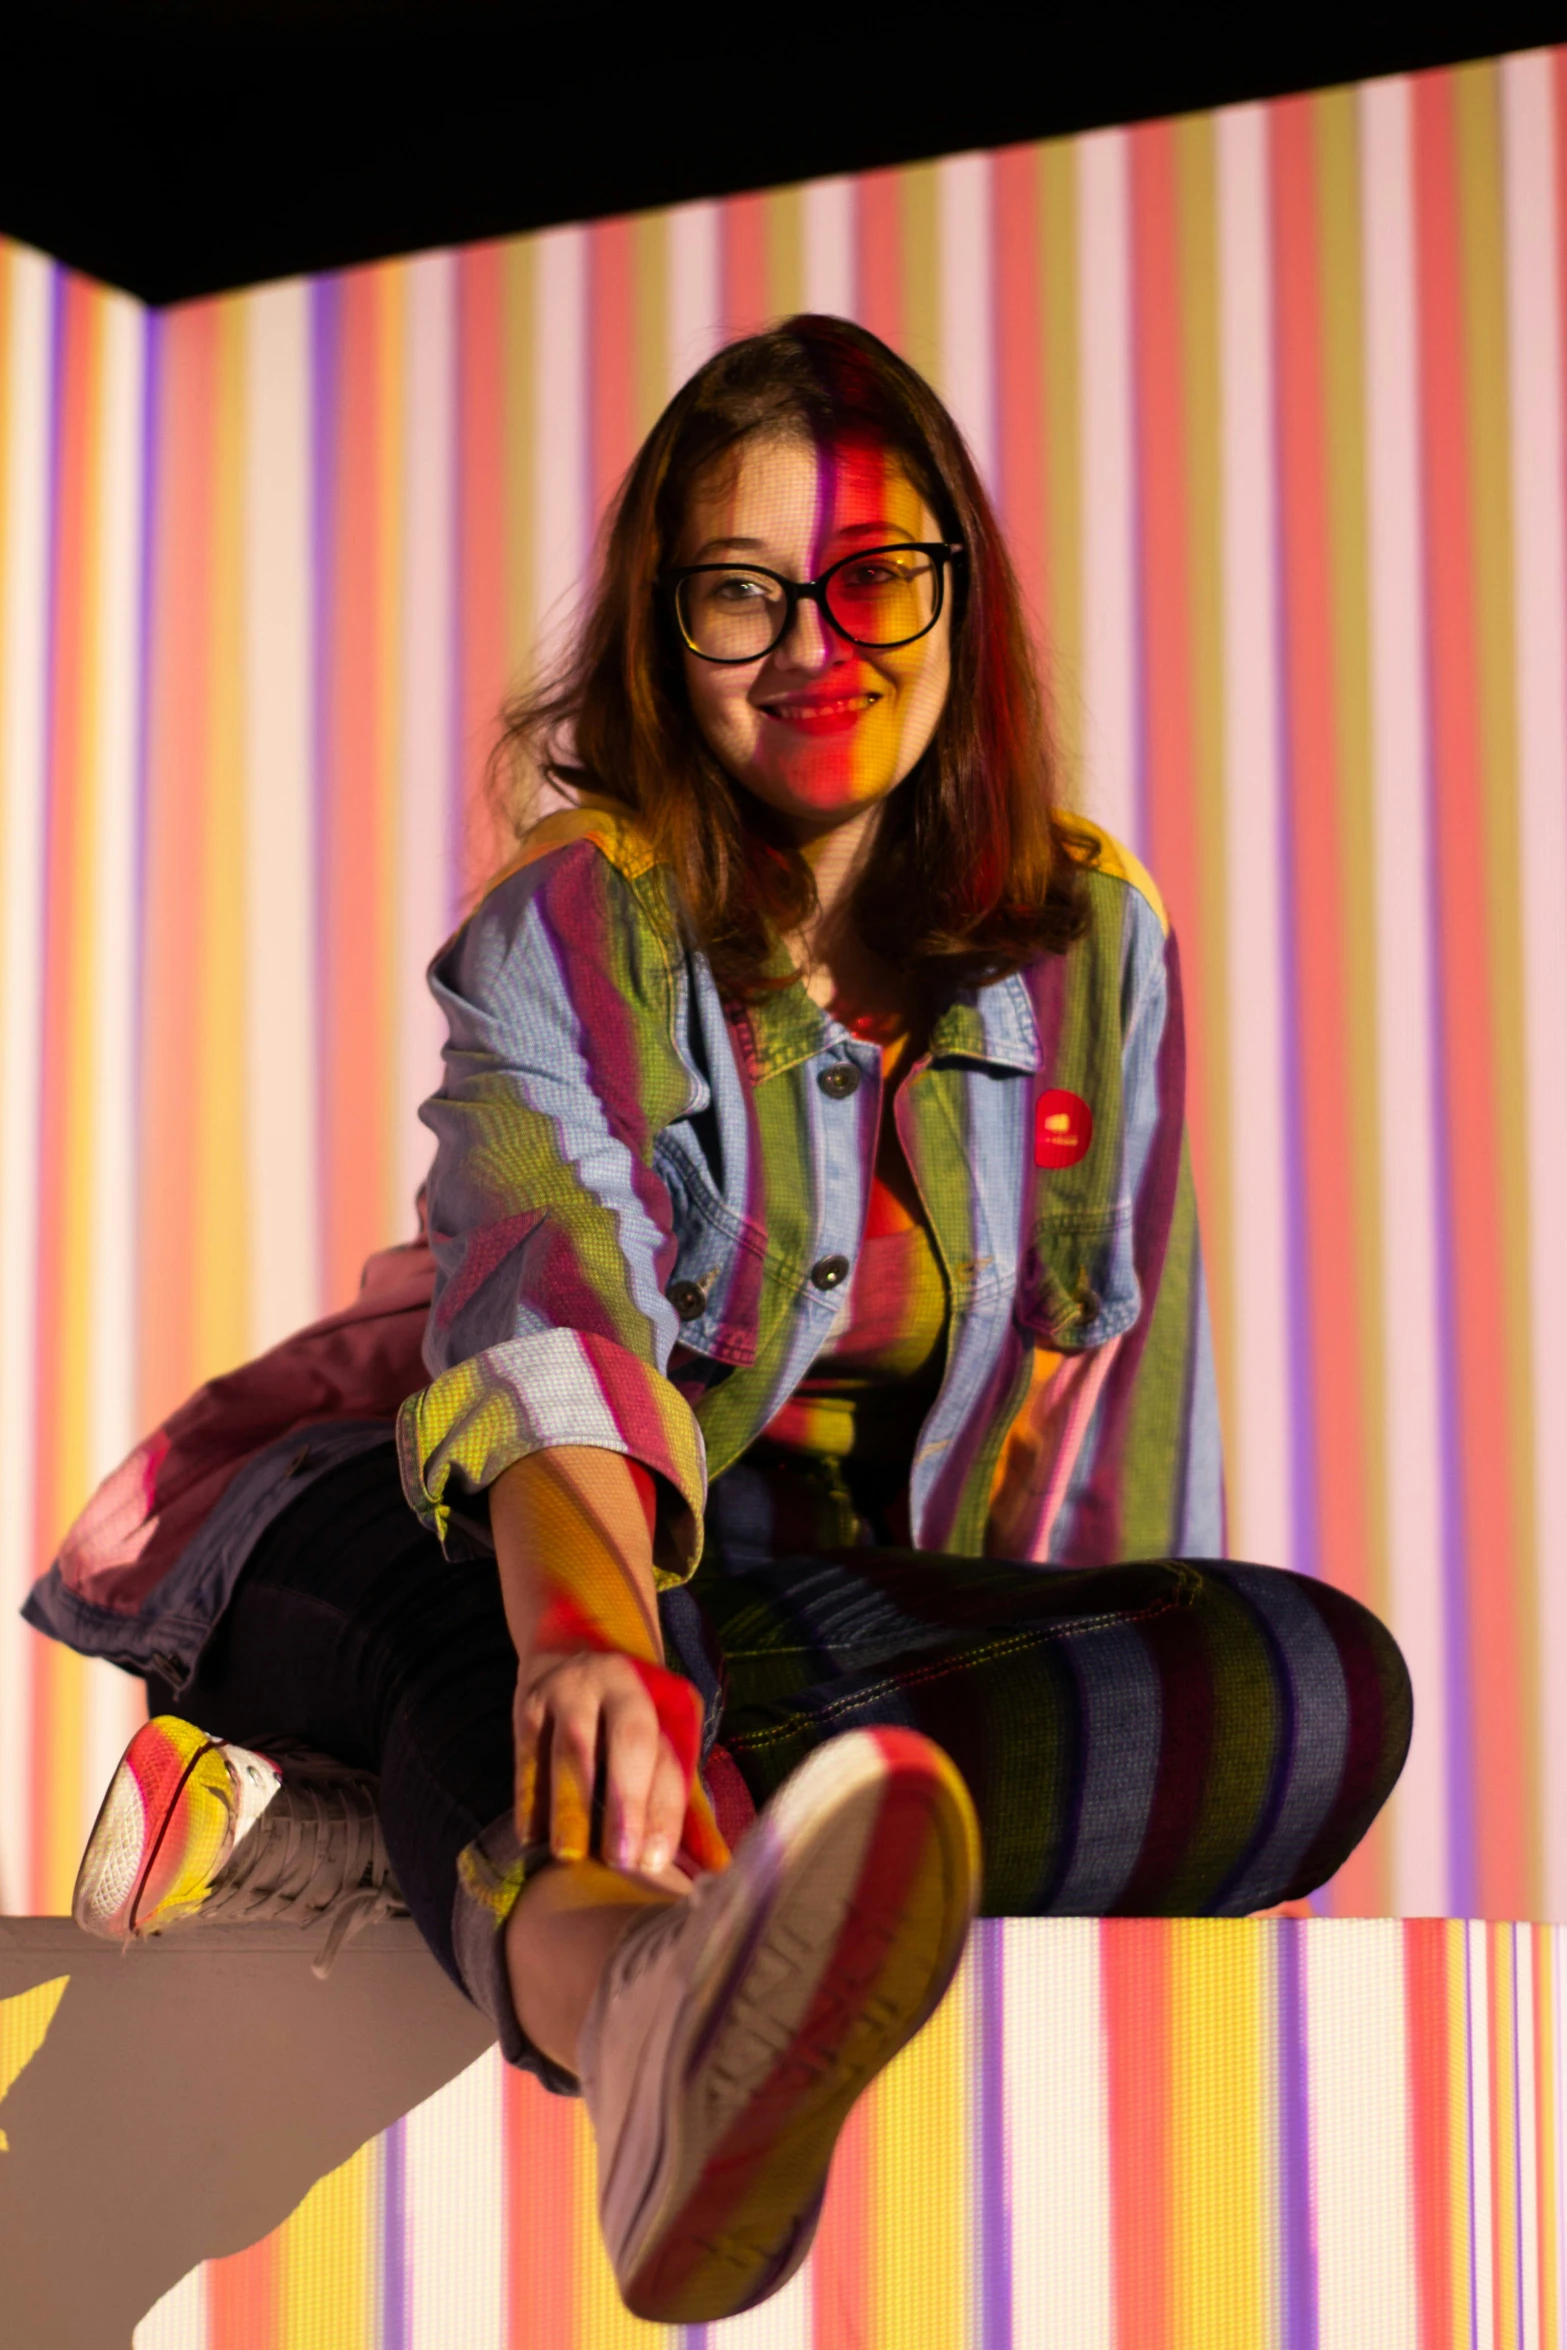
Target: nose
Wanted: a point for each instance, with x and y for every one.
(808, 642)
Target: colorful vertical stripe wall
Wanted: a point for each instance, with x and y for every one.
(1272, 403)
(1314, 2134)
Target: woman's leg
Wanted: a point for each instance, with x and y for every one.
(1188, 1738)
(351, 1632)
(1180, 1738)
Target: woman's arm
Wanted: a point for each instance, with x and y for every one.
(575, 1549)
(549, 1342)
(550, 1225)
(573, 1533)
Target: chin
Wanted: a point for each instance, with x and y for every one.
(823, 781)
(826, 803)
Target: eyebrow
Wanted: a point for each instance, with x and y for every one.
(888, 533)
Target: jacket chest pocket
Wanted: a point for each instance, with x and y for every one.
(716, 1286)
(1079, 1285)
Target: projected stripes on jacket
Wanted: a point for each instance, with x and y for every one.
(635, 1199)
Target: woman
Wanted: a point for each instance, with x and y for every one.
(816, 1262)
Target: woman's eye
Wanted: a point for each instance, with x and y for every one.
(882, 573)
(739, 590)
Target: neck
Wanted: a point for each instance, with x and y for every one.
(836, 858)
(839, 969)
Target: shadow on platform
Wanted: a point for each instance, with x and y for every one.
(185, 2096)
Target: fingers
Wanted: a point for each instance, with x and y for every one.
(527, 1735)
(631, 1758)
(577, 1711)
(555, 1734)
(573, 1731)
(666, 1810)
(643, 1725)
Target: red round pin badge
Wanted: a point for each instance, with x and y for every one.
(1063, 1129)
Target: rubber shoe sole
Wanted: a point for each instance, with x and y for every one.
(162, 1833)
(864, 1875)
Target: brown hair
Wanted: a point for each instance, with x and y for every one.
(975, 873)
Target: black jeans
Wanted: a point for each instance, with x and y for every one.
(1163, 1738)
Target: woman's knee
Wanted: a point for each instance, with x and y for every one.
(1345, 1711)
(1333, 1653)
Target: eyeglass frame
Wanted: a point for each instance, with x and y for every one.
(813, 591)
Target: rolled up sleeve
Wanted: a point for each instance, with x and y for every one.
(551, 1230)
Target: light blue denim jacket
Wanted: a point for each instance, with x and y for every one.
(642, 1211)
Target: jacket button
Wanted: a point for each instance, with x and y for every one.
(829, 1272)
(840, 1080)
(1086, 1299)
(687, 1299)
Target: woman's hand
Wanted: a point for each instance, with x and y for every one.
(575, 1712)
(574, 1545)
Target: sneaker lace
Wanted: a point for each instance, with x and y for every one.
(316, 1855)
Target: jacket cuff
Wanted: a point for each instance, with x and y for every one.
(533, 1394)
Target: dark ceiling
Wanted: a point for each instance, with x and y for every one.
(176, 147)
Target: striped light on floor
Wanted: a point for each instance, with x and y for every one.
(1207, 2135)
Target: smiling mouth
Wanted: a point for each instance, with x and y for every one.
(838, 710)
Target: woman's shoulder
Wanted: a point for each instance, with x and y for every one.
(590, 855)
(1112, 874)
(602, 825)
(583, 894)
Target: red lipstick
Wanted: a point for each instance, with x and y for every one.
(820, 713)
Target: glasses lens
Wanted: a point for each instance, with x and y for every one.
(884, 597)
(731, 615)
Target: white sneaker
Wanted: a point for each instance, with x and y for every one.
(732, 2031)
(193, 1827)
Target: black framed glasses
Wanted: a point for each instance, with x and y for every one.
(878, 597)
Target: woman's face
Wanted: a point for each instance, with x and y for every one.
(819, 729)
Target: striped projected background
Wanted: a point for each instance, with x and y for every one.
(1272, 402)
(1146, 2135)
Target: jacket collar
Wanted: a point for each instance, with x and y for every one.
(994, 1025)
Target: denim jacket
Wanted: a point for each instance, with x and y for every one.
(643, 1205)
(642, 1209)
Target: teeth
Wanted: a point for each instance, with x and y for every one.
(821, 709)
